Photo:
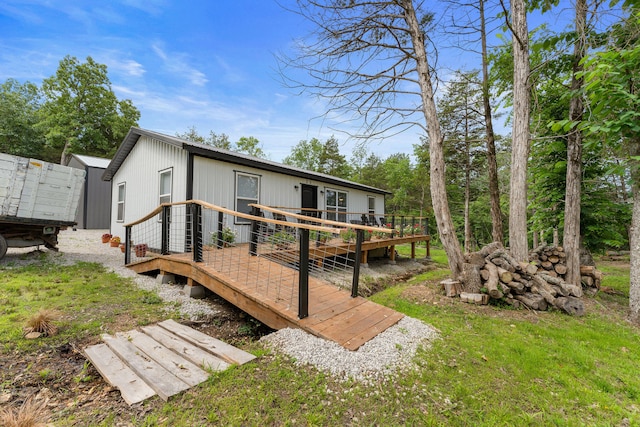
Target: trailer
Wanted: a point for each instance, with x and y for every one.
(37, 200)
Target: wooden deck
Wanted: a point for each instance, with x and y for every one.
(268, 291)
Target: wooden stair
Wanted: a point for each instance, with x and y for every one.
(163, 359)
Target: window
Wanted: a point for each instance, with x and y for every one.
(166, 186)
(336, 205)
(372, 209)
(247, 191)
(121, 194)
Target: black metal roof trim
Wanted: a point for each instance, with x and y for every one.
(215, 153)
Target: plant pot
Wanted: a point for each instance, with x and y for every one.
(105, 239)
(114, 244)
(122, 247)
(141, 250)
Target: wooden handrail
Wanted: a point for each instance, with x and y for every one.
(342, 225)
(349, 213)
(202, 203)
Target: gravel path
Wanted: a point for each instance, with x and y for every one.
(390, 352)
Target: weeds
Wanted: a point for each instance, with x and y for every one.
(29, 414)
(43, 322)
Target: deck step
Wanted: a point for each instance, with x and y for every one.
(163, 360)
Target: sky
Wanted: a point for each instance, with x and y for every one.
(208, 64)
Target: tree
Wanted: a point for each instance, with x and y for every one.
(214, 140)
(306, 155)
(518, 242)
(19, 105)
(571, 237)
(317, 156)
(364, 58)
(251, 146)
(612, 81)
(81, 113)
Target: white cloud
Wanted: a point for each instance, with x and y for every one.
(176, 64)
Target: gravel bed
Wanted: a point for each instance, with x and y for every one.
(389, 353)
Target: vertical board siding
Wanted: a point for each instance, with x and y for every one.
(140, 172)
(214, 182)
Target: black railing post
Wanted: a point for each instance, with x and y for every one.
(219, 242)
(164, 249)
(196, 231)
(356, 264)
(413, 225)
(255, 226)
(393, 225)
(402, 226)
(127, 244)
(303, 279)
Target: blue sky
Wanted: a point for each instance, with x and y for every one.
(203, 63)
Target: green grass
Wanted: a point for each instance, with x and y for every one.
(85, 294)
(491, 367)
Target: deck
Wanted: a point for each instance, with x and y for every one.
(248, 283)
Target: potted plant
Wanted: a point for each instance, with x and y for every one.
(348, 235)
(106, 237)
(140, 249)
(114, 242)
(282, 239)
(122, 247)
(320, 237)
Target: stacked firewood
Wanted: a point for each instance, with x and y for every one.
(552, 260)
(492, 273)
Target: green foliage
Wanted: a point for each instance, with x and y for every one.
(314, 155)
(214, 140)
(81, 113)
(19, 105)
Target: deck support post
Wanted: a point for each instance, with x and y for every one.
(303, 291)
(219, 242)
(127, 245)
(196, 231)
(253, 239)
(166, 214)
(356, 264)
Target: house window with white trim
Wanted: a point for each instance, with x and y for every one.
(120, 205)
(247, 192)
(336, 205)
(166, 187)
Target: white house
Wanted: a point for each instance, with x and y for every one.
(150, 168)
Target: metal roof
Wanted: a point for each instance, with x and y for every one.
(215, 153)
(92, 162)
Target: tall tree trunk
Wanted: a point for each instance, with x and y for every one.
(634, 285)
(497, 232)
(467, 181)
(520, 134)
(446, 229)
(571, 237)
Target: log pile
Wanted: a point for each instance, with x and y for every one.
(537, 285)
(552, 259)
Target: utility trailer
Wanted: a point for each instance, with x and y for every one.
(37, 200)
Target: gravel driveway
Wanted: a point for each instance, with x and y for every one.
(388, 353)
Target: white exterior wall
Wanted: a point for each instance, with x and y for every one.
(214, 182)
(140, 173)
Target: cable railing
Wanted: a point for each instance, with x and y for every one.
(273, 252)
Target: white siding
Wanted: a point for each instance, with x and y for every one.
(140, 172)
(213, 182)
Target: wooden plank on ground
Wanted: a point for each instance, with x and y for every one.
(206, 342)
(119, 375)
(162, 381)
(171, 361)
(185, 349)
(359, 339)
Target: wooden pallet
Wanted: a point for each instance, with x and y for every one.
(163, 359)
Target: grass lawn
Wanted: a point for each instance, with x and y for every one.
(492, 366)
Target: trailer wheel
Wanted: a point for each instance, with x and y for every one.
(3, 246)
